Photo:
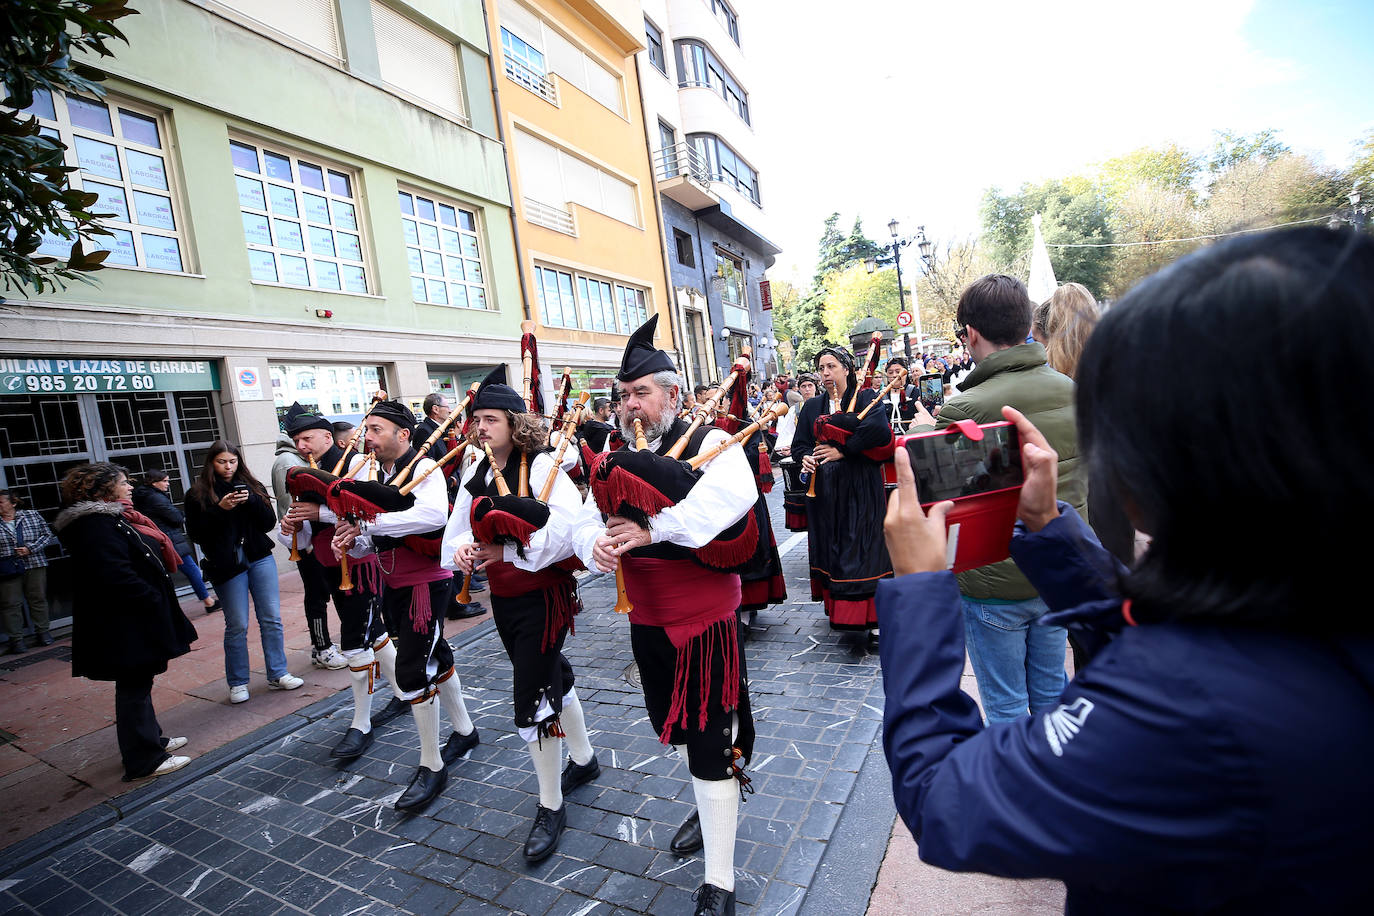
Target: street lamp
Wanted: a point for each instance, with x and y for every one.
(892, 254)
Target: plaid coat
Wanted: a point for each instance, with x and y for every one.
(36, 535)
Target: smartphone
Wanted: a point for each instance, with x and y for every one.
(950, 465)
(931, 390)
(240, 488)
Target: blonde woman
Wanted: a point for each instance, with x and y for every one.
(1069, 317)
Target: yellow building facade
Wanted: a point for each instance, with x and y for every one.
(588, 230)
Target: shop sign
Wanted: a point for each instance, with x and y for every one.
(766, 295)
(62, 375)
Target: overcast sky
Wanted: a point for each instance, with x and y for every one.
(911, 109)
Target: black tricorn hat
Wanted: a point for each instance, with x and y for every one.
(396, 412)
(298, 419)
(495, 394)
(641, 358)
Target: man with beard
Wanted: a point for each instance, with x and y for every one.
(417, 589)
(533, 596)
(362, 633)
(683, 628)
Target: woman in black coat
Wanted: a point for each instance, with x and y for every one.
(152, 499)
(126, 622)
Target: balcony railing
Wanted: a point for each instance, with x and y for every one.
(531, 79)
(681, 160)
(550, 217)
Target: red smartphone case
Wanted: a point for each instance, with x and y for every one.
(979, 526)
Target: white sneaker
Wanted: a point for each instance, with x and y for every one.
(329, 657)
(171, 765)
(238, 694)
(174, 744)
(285, 682)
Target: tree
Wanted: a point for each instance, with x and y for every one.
(1231, 149)
(1362, 170)
(853, 294)
(953, 266)
(859, 247)
(35, 196)
(1075, 213)
(1259, 192)
(1150, 213)
(832, 254)
(1169, 167)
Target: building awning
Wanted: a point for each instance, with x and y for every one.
(723, 219)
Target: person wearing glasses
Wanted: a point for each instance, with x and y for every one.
(1018, 662)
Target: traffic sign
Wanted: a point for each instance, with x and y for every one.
(905, 320)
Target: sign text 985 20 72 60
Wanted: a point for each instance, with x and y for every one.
(62, 375)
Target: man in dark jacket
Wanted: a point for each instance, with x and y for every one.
(1018, 662)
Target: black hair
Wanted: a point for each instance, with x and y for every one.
(700, 390)
(152, 476)
(432, 401)
(600, 403)
(998, 306)
(203, 489)
(343, 426)
(897, 361)
(14, 499)
(1243, 467)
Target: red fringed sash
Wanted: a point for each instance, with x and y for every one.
(402, 568)
(559, 589)
(696, 609)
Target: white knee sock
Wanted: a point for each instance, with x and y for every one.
(451, 692)
(362, 699)
(427, 724)
(575, 728)
(547, 754)
(718, 806)
(386, 658)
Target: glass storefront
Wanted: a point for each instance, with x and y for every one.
(339, 392)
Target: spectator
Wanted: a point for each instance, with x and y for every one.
(1018, 663)
(437, 410)
(151, 497)
(228, 515)
(754, 395)
(23, 572)
(126, 622)
(1214, 758)
(287, 457)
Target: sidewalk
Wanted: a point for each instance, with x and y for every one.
(58, 753)
(268, 824)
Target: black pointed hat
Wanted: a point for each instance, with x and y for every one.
(641, 358)
(298, 419)
(495, 394)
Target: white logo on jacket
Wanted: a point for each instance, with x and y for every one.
(1062, 724)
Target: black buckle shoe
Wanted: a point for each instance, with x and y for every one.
(45, 638)
(423, 789)
(712, 901)
(353, 745)
(544, 833)
(688, 837)
(391, 710)
(579, 774)
(467, 611)
(457, 745)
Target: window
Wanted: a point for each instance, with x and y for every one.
(418, 63)
(313, 23)
(724, 165)
(655, 41)
(120, 151)
(685, 255)
(570, 62)
(733, 305)
(344, 391)
(444, 252)
(727, 18)
(667, 154)
(575, 300)
(525, 65)
(552, 176)
(299, 218)
(697, 65)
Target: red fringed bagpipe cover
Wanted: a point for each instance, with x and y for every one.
(531, 346)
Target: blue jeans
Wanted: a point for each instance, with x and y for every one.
(1017, 661)
(261, 580)
(192, 573)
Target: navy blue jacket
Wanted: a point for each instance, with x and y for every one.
(1191, 768)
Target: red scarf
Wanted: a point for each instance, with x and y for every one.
(147, 527)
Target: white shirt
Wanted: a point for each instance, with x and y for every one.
(547, 546)
(429, 512)
(724, 495)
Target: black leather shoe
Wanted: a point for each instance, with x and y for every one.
(391, 710)
(457, 745)
(544, 833)
(16, 646)
(353, 745)
(458, 611)
(45, 638)
(424, 788)
(575, 775)
(712, 901)
(688, 839)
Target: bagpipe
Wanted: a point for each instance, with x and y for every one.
(513, 518)
(836, 428)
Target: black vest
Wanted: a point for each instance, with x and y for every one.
(664, 550)
(385, 542)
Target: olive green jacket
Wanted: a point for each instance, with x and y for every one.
(1018, 376)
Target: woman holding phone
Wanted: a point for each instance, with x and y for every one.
(228, 514)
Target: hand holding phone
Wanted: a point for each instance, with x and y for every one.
(916, 542)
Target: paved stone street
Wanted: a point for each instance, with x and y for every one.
(279, 828)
